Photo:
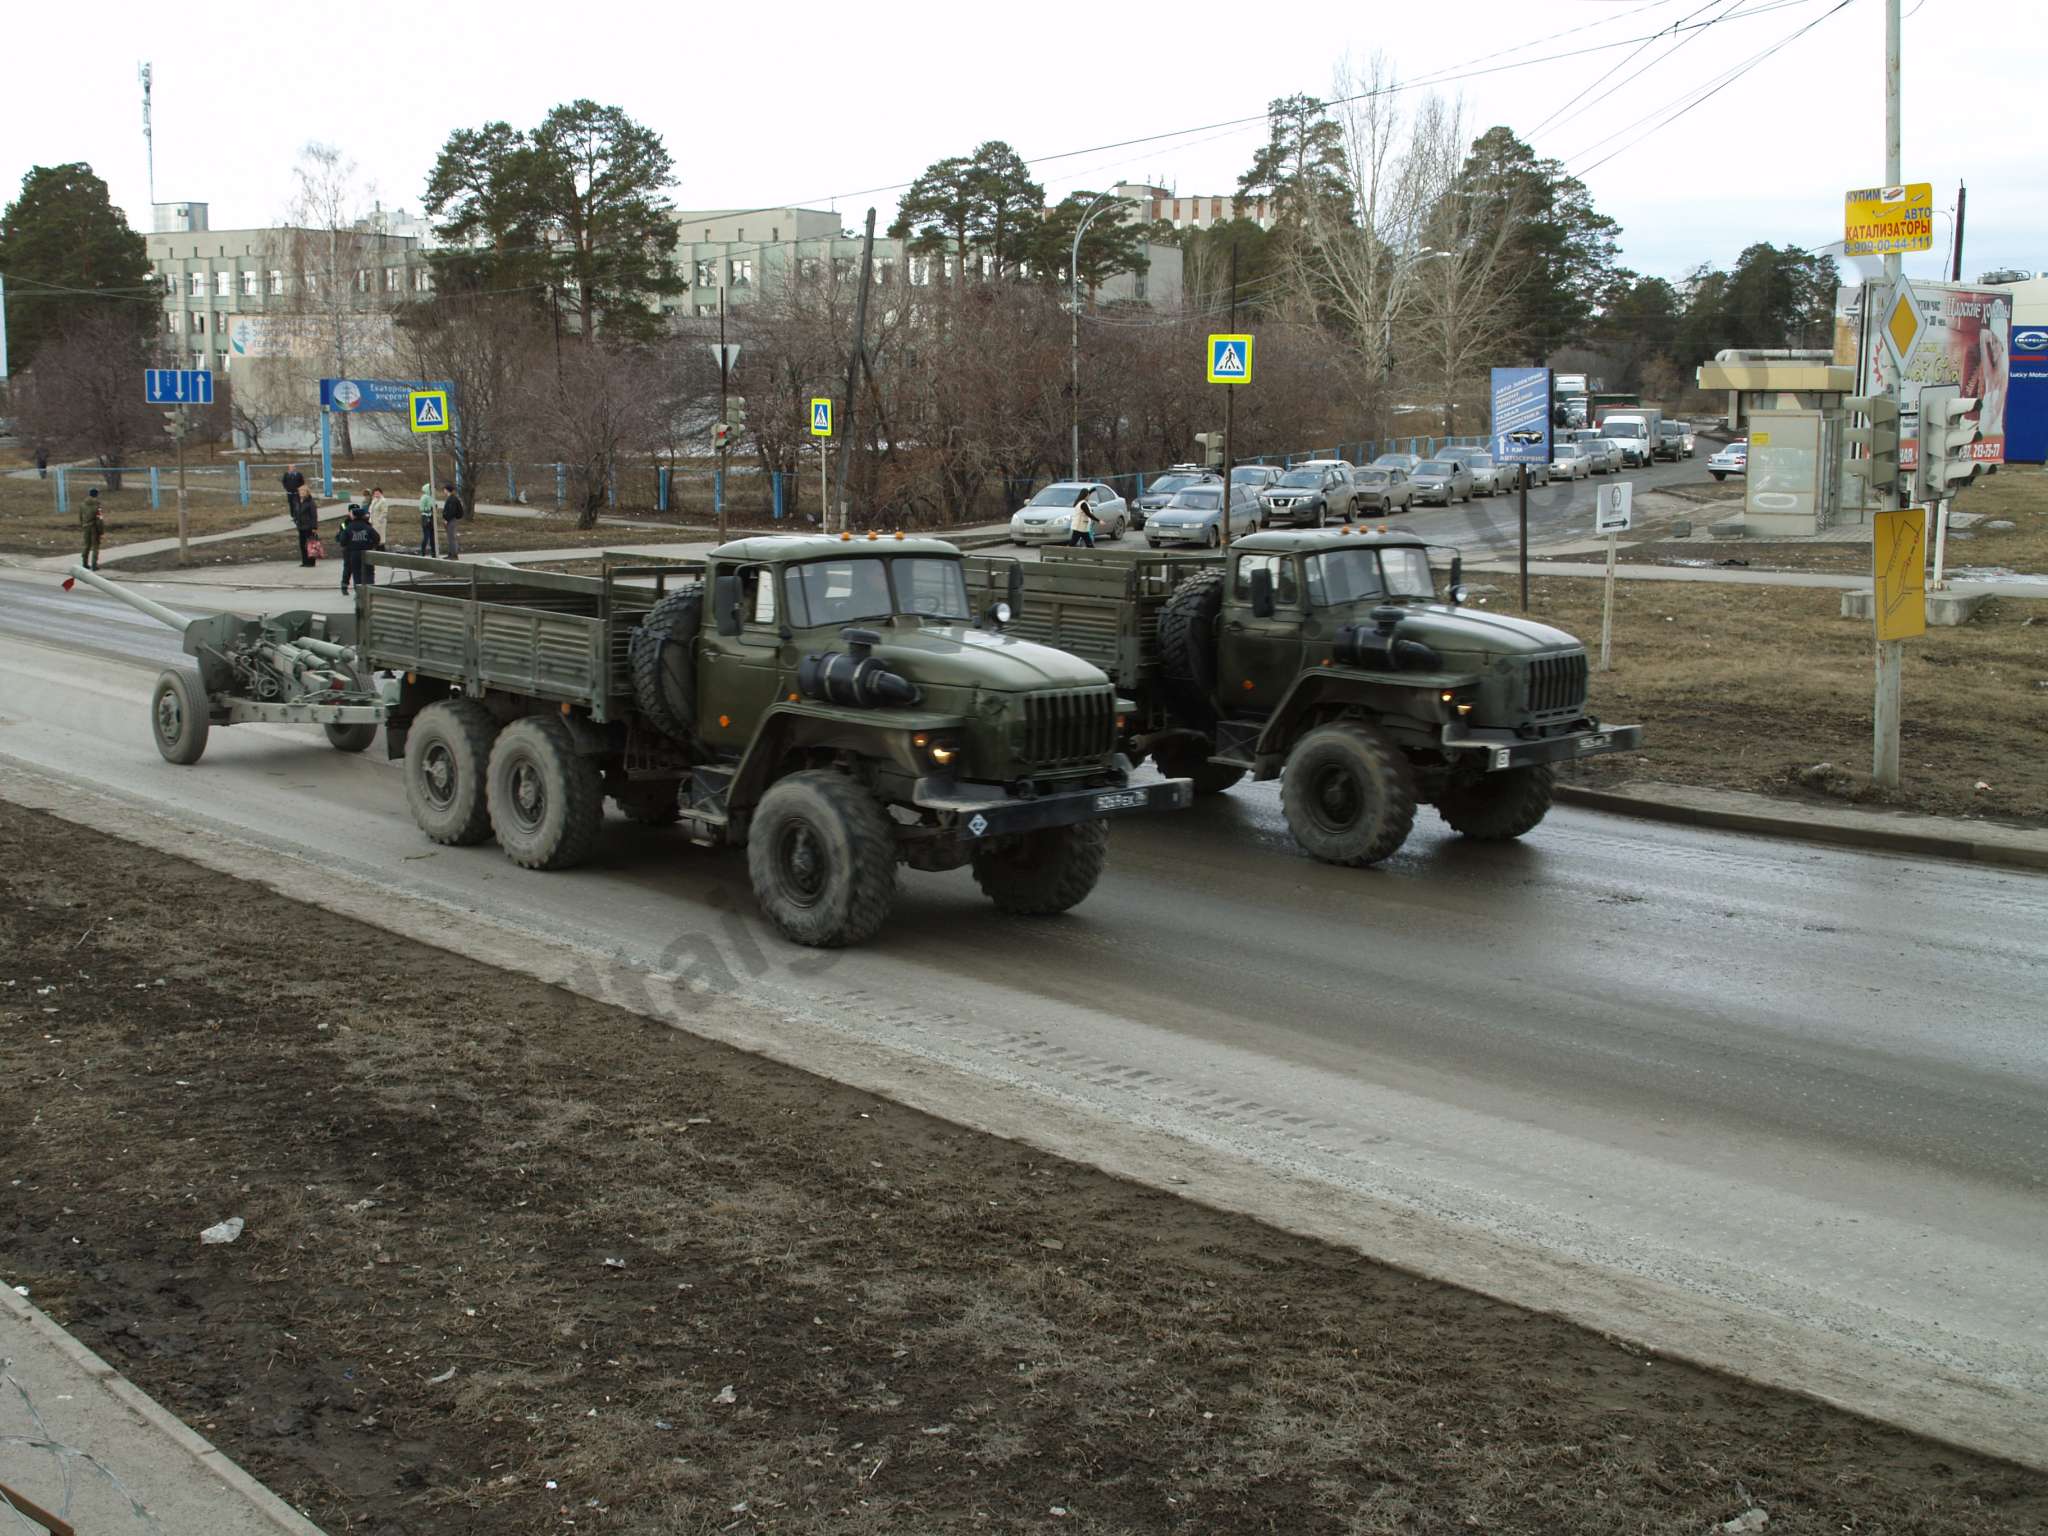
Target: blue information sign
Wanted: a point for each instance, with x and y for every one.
(357, 396)
(177, 386)
(1521, 415)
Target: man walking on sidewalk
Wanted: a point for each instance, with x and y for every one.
(451, 514)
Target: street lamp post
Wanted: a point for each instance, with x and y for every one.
(1074, 274)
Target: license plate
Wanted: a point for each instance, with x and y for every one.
(1599, 742)
(1120, 800)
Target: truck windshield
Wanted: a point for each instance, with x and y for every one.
(1367, 575)
(824, 593)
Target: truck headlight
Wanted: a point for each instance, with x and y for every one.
(942, 750)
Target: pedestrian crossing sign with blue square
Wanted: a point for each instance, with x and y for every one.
(1230, 359)
(821, 418)
(428, 409)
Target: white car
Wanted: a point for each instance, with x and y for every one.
(1048, 517)
(1569, 461)
(1688, 440)
(1732, 460)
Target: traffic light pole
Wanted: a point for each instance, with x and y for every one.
(1230, 408)
(724, 419)
(1891, 654)
(183, 550)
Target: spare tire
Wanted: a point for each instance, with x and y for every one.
(1187, 645)
(663, 655)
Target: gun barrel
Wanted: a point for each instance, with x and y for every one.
(170, 617)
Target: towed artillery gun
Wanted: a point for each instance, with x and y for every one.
(297, 668)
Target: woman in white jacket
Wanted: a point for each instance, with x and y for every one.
(380, 515)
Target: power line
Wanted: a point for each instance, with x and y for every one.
(1561, 112)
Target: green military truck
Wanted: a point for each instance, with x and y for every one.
(1323, 658)
(833, 705)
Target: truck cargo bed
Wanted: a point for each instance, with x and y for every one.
(1100, 605)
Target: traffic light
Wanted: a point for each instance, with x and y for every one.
(720, 434)
(1211, 444)
(1947, 443)
(1878, 466)
(736, 410)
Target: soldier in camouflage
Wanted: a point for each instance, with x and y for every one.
(92, 527)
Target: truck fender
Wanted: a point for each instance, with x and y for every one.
(879, 735)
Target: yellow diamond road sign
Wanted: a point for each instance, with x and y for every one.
(1878, 221)
(1904, 323)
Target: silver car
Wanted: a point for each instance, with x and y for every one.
(1603, 455)
(1257, 476)
(1048, 517)
(1442, 481)
(1569, 461)
(1382, 489)
(1195, 516)
(1405, 462)
(1488, 477)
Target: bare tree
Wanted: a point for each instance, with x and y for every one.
(84, 396)
(599, 406)
(485, 346)
(335, 284)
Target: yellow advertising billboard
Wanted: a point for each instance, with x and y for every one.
(1879, 221)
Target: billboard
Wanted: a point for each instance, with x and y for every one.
(1521, 415)
(1940, 333)
(2026, 399)
(1881, 221)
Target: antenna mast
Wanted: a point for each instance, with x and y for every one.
(148, 134)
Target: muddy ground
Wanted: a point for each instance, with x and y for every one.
(517, 1262)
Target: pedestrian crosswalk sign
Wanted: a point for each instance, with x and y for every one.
(821, 418)
(428, 409)
(1230, 359)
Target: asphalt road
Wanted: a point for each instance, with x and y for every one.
(1798, 1086)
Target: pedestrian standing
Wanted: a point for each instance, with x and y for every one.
(92, 527)
(380, 514)
(451, 514)
(426, 519)
(357, 538)
(306, 519)
(294, 482)
(42, 462)
(1078, 529)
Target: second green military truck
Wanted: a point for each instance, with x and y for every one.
(1323, 658)
(833, 705)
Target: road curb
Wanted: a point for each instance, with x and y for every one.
(211, 1461)
(1882, 838)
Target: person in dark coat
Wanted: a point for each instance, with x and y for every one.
(357, 538)
(42, 462)
(305, 518)
(451, 514)
(294, 482)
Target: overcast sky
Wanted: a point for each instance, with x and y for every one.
(765, 105)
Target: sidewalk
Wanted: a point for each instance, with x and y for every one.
(2019, 587)
(90, 1447)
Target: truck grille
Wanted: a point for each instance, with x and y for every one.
(1069, 727)
(1557, 684)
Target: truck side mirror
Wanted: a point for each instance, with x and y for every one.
(1262, 592)
(725, 603)
(1013, 589)
(1457, 592)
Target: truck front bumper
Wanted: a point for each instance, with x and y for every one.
(1504, 749)
(981, 811)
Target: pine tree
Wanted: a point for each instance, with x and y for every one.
(63, 238)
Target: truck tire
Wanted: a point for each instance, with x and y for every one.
(1185, 760)
(1500, 806)
(650, 802)
(1187, 646)
(1348, 794)
(822, 859)
(662, 653)
(350, 738)
(546, 799)
(1038, 874)
(447, 761)
(178, 716)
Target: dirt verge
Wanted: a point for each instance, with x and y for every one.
(518, 1262)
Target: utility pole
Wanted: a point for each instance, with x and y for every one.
(724, 418)
(1891, 654)
(1230, 406)
(1955, 271)
(856, 360)
(179, 430)
(1074, 306)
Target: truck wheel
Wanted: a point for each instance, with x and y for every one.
(1187, 645)
(1182, 760)
(1499, 806)
(1348, 795)
(350, 738)
(650, 802)
(178, 716)
(447, 758)
(1037, 874)
(823, 859)
(546, 799)
(662, 654)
